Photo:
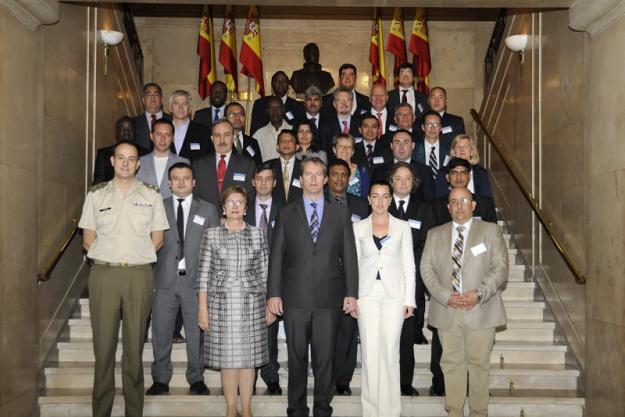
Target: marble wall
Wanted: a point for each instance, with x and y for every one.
(457, 50)
(57, 108)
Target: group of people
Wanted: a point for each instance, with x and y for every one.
(336, 218)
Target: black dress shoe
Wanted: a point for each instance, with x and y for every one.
(343, 390)
(274, 389)
(157, 388)
(436, 393)
(178, 339)
(409, 391)
(199, 388)
(420, 339)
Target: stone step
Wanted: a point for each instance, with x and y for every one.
(79, 376)
(509, 352)
(213, 405)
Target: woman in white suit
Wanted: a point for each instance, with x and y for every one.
(386, 297)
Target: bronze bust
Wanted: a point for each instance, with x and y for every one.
(311, 74)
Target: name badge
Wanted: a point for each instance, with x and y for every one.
(142, 204)
(363, 111)
(238, 177)
(358, 139)
(392, 128)
(415, 224)
(446, 161)
(420, 107)
(195, 146)
(477, 217)
(378, 160)
(273, 223)
(289, 115)
(198, 220)
(250, 150)
(478, 249)
(296, 183)
(356, 218)
(446, 130)
(353, 181)
(386, 241)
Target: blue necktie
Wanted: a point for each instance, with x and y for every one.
(314, 223)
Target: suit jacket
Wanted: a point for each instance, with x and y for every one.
(102, 168)
(481, 183)
(197, 142)
(250, 215)
(394, 262)
(425, 190)
(484, 209)
(240, 171)
(147, 172)
(420, 217)
(485, 269)
(307, 274)
(363, 105)
(202, 215)
(442, 153)
(329, 127)
(358, 207)
(251, 149)
(294, 111)
(143, 130)
(381, 154)
(204, 117)
(295, 186)
(394, 99)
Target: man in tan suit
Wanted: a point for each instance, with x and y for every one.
(465, 268)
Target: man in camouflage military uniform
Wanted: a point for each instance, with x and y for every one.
(123, 224)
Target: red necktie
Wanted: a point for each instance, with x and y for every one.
(221, 172)
(345, 127)
(379, 124)
(152, 121)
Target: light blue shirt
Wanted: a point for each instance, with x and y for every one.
(309, 209)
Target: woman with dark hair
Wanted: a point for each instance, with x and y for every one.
(307, 140)
(232, 273)
(386, 296)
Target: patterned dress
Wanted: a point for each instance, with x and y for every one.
(233, 270)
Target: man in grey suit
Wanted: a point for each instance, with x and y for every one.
(313, 274)
(155, 165)
(465, 268)
(175, 280)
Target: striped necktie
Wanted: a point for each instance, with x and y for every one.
(314, 223)
(433, 162)
(262, 223)
(456, 258)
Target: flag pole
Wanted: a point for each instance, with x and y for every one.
(248, 116)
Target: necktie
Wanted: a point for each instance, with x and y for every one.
(152, 121)
(215, 115)
(314, 223)
(221, 172)
(402, 212)
(404, 97)
(286, 179)
(370, 155)
(339, 199)
(313, 120)
(456, 258)
(262, 223)
(433, 162)
(345, 127)
(180, 225)
(238, 144)
(379, 124)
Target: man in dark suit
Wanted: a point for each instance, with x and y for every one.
(369, 151)
(407, 206)
(347, 335)
(175, 280)
(312, 105)
(379, 101)
(293, 109)
(286, 169)
(347, 80)
(403, 118)
(342, 121)
(406, 93)
(191, 140)
(153, 110)
(244, 144)
(261, 212)
(402, 147)
(102, 167)
(451, 125)
(313, 275)
(432, 151)
(217, 98)
(224, 168)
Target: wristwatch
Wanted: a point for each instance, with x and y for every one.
(479, 295)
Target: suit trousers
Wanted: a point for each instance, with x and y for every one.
(269, 372)
(316, 327)
(438, 379)
(346, 350)
(380, 324)
(167, 302)
(115, 292)
(466, 349)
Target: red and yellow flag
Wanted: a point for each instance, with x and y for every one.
(228, 51)
(376, 51)
(251, 51)
(207, 54)
(396, 42)
(420, 47)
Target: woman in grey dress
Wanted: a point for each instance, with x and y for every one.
(232, 274)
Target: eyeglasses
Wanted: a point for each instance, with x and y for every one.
(237, 114)
(465, 201)
(432, 124)
(234, 203)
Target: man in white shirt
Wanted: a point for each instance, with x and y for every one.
(154, 166)
(432, 151)
(406, 93)
(403, 118)
(191, 140)
(267, 136)
(379, 99)
(312, 104)
(286, 168)
(152, 100)
(217, 97)
(342, 121)
(451, 125)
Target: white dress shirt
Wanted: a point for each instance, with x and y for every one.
(428, 150)
(267, 137)
(316, 117)
(186, 207)
(259, 210)
(465, 234)
(218, 158)
(289, 167)
(160, 163)
(148, 117)
(397, 200)
(383, 116)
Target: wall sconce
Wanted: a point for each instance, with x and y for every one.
(109, 38)
(517, 43)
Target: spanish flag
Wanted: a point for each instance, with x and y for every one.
(420, 47)
(376, 51)
(228, 51)
(207, 54)
(396, 42)
(251, 51)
